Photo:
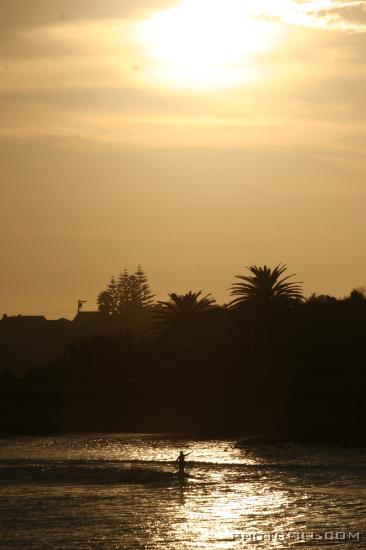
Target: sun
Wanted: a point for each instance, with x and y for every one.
(203, 43)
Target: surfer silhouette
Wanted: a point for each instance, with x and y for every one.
(181, 461)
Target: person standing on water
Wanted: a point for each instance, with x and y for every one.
(181, 461)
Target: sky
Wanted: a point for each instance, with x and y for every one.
(194, 137)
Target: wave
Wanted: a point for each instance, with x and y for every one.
(103, 472)
(63, 474)
(98, 463)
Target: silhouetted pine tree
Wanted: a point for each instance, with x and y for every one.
(129, 291)
(124, 290)
(112, 290)
(141, 286)
(104, 302)
(107, 300)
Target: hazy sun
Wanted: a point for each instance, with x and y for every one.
(203, 43)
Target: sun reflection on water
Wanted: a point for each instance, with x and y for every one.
(121, 492)
(226, 512)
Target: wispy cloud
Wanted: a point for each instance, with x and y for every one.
(348, 15)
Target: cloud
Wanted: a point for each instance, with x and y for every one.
(346, 15)
(350, 15)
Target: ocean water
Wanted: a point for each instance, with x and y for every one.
(121, 492)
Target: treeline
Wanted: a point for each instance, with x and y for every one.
(270, 362)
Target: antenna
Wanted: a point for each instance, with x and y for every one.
(81, 304)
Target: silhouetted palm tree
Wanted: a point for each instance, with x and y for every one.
(265, 286)
(181, 311)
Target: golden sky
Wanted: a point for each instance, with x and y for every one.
(194, 137)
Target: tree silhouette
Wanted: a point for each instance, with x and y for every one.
(112, 289)
(107, 300)
(128, 292)
(104, 302)
(265, 286)
(124, 290)
(181, 311)
(358, 295)
(144, 296)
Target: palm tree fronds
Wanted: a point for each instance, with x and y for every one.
(180, 310)
(265, 285)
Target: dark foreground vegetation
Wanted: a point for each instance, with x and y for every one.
(268, 363)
